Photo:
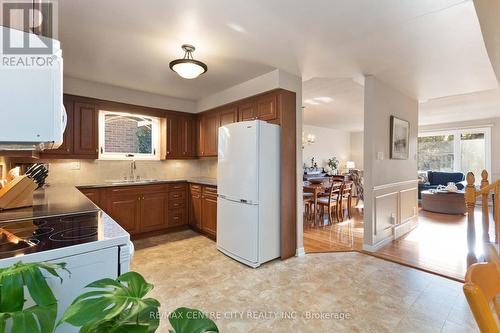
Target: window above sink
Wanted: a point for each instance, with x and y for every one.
(125, 136)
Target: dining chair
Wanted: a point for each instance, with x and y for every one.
(308, 199)
(482, 285)
(346, 200)
(337, 178)
(492, 255)
(331, 202)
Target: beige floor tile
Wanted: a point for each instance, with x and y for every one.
(331, 292)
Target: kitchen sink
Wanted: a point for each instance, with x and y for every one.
(131, 181)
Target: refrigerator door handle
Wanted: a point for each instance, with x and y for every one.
(243, 201)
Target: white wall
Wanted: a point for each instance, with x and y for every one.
(118, 94)
(260, 84)
(329, 142)
(357, 149)
(390, 185)
(488, 12)
(494, 123)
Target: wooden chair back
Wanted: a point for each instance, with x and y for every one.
(335, 192)
(482, 285)
(347, 191)
(337, 178)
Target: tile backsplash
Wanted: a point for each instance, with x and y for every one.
(79, 172)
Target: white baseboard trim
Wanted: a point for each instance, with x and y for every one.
(375, 247)
(300, 252)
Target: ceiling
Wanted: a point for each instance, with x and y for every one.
(466, 107)
(426, 48)
(333, 103)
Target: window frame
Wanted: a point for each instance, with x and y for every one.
(457, 145)
(155, 137)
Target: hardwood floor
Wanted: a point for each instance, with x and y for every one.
(439, 244)
(337, 237)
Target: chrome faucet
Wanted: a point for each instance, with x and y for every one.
(133, 167)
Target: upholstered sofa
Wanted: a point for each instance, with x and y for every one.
(436, 178)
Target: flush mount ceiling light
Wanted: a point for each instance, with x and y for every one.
(187, 67)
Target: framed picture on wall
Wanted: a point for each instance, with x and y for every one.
(400, 139)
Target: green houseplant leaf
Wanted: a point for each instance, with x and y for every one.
(186, 320)
(119, 306)
(39, 318)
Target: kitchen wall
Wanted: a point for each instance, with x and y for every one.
(493, 123)
(208, 167)
(108, 92)
(328, 143)
(357, 149)
(78, 172)
(390, 185)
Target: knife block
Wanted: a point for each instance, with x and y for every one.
(17, 193)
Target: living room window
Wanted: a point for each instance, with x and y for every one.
(461, 150)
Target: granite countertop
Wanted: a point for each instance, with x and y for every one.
(194, 180)
(51, 201)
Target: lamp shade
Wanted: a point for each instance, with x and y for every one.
(188, 67)
(350, 165)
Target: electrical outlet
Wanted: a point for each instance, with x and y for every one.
(75, 165)
(380, 156)
(393, 218)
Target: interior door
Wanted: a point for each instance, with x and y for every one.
(237, 168)
(237, 229)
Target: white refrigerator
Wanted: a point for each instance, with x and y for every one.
(248, 186)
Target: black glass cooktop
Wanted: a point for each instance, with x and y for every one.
(42, 234)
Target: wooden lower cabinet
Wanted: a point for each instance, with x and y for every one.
(142, 209)
(203, 209)
(195, 206)
(94, 194)
(153, 209)
(125, 208)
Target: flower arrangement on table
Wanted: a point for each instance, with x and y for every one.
(332, 166)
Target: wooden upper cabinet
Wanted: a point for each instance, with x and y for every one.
(208, 127)
(267, 107)
(85, 129)
(228, 115)
(247, 111)
(187, 136)
(172, 143)
(181, 137)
